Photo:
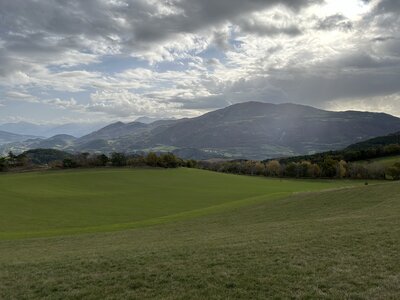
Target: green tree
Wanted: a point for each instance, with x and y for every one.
(69, 163)
(168, 160)
(102, 159)
(21, 160)
(191, 163)
(152, 159)
(11, 159)
(118, 159)
(394, 171)
(328, 167)
(3, 164)
(83, 159)
(291, 170)
(136, 161)
(11, 155)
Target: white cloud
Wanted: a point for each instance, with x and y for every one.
(378, 104)
(122, 103)
(20, 95)
(199, 55)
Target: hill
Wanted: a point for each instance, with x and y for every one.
(49, 130)
(390, 139)
(383, 148)
(136, 198)
(58, 142)
(259, 130)
(273, 128)
(8, 137)
(341, 243)
(386, 161)
(45, 156)
(249, 130)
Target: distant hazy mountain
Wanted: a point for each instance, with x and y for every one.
(74, 129)
(59, 142)
(23, 128)
(49, 130)
(8, 137)
(247, 130)
(117, 129)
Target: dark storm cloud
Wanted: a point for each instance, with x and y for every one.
(45, 31)
(370, 69)
(382, 39)
(196, 15)
(385, 15)
(318, 88)
(355, 75)
(249, 26)
(388, 6)
(38, 35)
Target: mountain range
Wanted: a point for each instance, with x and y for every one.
(251, 130)
(49, 130)
(8, 137)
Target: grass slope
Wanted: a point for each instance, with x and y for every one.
(68, 202)
(386, 161)
(340, 244)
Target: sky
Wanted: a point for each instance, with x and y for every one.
(107, 60)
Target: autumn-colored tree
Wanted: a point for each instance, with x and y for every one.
(273, 168)
(341, 169)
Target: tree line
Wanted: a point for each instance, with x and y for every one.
(54, 159)
(323, 165)
(332, 164)
(328, 168)
(350, 154)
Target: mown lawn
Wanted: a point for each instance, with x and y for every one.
(68, 202)
(336, 244)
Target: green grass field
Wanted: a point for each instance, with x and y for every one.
(386, 161)
(67, 202)
(227, 237)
